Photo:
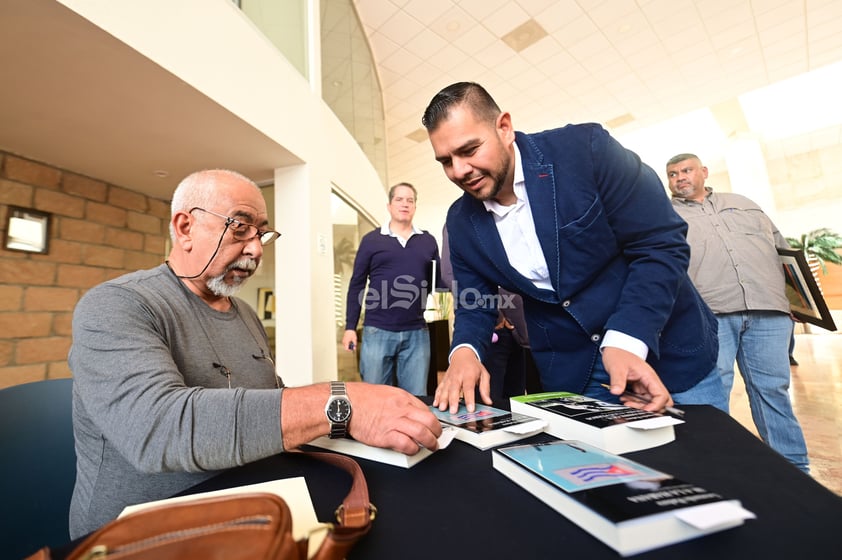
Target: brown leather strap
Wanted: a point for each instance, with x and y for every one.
(43, 554)
(354, 515)
(356, 507)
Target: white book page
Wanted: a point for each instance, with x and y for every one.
(294, 492)
(708, 517)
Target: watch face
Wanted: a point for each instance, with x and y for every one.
(338, 410)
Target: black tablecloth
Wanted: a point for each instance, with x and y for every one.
(455, 505)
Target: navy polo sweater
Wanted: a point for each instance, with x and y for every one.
(399, 279)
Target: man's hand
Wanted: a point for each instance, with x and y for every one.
(504, 323)
(381, 415)
(386, 416)
(349, 339)
(461, 378)
(629, 372)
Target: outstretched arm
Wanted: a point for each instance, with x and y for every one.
(382, 416)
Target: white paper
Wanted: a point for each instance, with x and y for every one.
(526, 427)
(707, 517)
(447, 435)
(293, 491)
(655, 423)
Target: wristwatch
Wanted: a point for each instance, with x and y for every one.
(338, 410)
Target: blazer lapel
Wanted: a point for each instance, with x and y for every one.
(486, 231)
(540, 189)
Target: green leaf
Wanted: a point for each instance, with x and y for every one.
(820, 244)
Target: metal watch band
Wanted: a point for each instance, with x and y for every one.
(338, 430)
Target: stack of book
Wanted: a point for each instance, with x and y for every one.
(628, 506)
(615, 428)
(487, 427)
(348, 446)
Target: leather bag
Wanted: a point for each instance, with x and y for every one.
(234, 527)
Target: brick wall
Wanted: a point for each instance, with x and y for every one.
(98, 231)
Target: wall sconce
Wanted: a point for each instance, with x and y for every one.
(27, 230)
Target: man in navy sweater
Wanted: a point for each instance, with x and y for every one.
(397, 262)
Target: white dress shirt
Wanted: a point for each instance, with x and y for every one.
(517, 231)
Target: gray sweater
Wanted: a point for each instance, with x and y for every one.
(152, 411)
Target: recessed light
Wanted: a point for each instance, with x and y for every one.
(524, 35)
(418, 135)
(619, 120)
(161, 173)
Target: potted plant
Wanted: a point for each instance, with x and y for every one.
(819, 246)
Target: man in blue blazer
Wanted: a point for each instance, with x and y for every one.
(585, 233)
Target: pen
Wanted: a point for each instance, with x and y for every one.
(671, 409)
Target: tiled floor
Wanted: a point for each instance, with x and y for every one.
(816, 392)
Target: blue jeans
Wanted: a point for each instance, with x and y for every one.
(759, 342)
(707, 391)
(382, 353)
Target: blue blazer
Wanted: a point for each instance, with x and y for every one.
(617, 258)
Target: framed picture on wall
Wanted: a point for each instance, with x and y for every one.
(805, 299)
(265, 304)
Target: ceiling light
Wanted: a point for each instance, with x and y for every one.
(418, 135)
(617, 122)
(160, 173)
(524, 35)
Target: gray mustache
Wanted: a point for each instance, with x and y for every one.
(245, 264)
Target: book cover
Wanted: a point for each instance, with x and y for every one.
(613, 427)
(575, 466)
(487, 426)
(628, 506)
(355, 448)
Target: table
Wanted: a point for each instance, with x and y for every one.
(455, 505)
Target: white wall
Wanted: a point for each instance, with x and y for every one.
(216, 49)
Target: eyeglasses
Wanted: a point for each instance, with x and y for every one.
(243, 231)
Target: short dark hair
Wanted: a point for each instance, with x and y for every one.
(471, 93)
(395, 186)
(681, 157)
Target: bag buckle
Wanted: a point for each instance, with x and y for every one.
(372, 512)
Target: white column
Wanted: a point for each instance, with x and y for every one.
(305, 332)
(747, 171)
